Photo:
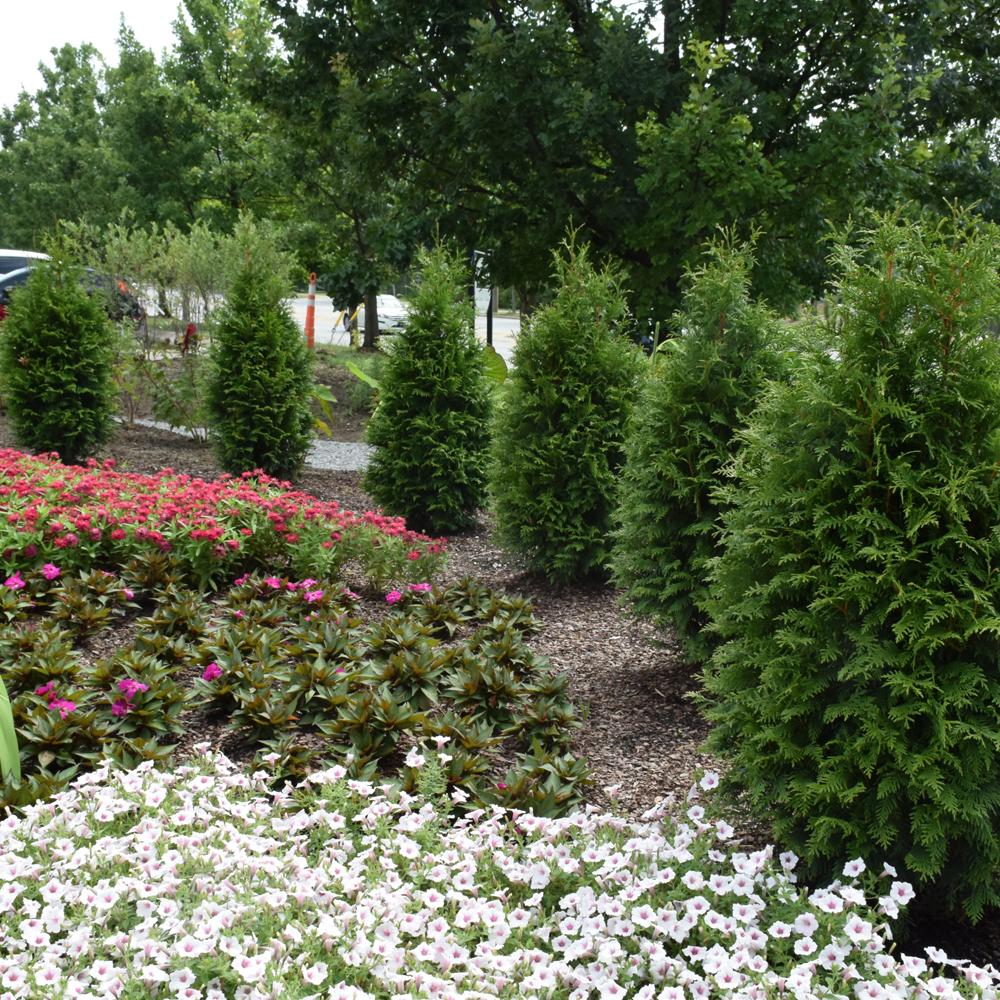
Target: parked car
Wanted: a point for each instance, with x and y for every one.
(120, 302)
(14, 260)
(392, 314)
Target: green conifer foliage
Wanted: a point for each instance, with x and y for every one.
(55, 364)
(858, 692)
(683, 431)
(559, 434)
(258, 395)
(432, 424)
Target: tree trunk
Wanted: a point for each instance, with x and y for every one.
(371, 323)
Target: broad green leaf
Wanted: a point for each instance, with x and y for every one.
(494, 366)
(355, 370)
(10, 758)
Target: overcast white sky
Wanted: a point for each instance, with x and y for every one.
(29, 32)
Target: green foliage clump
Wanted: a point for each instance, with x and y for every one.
(277, 660)
(857, 694)
(683, 431)
(258, 396)
(559, 433)
(55, 364)
(432, 423)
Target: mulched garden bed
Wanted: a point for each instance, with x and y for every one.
(640, 731)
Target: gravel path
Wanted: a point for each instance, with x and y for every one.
(334, 456)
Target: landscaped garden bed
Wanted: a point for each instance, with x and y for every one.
(637, 732)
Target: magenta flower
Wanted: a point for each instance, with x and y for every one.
(419, 586)
(63, 707)
(314, 595)
(120, 707)
(50, 572)
(393, 596)
(212, 671)
(14, 582)
(129, 687)
(46, 688)
(273, 582)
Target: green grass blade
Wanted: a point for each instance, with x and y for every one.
(10, 758)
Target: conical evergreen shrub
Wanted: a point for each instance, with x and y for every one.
(259, 391)
(857, 694)
(559, 433)
(55, 364)
(432, 424)
(683, 432)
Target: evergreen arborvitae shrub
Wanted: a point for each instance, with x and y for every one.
(682, 433)
(432, 424)
(559, 433)
(259, 391)
(857, 694)
(55, 364)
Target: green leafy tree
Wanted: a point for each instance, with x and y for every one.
(684, 431)
(55, 162)
(258, 397)
(506, 120)
(856, 695)
(55, 364)
(559, 433)
(432, 425)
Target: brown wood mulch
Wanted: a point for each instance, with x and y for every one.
(639, 731)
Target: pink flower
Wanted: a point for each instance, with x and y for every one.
(413, 555)
(128, 594)
(50, 572)
(120, 707)
(393, 596)
(64, 707)
(46, 688)
(14, 582)
(129, 687)
(273, 582)
(212, 671)
(419, 586)
(314, 595)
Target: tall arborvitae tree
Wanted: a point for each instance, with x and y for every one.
(55, 363)
(432, 424)
(683, 432)
(559, 435)
(259, 392)
(857, 694)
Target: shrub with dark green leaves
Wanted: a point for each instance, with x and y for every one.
(55, 364)
(258, 397)
(432, 424)
(559, 434)
(857, 694)
(683, 431)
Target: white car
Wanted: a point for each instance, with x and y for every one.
(391, 312)
(14, 260)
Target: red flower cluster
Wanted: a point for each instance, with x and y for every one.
(97, 514)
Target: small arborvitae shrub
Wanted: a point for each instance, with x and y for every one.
(559, 434)
(433, 420)
(683, 431)
(55, 364)
(857, 694)
(258, 397)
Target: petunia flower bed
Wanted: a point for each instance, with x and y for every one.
(80, 518)
(202, 885)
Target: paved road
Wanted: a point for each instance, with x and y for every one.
(505, 329)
